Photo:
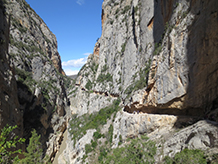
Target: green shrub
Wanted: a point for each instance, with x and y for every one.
(142, 82)
(214, 158)
(67, 81)
(25, 77)
(157, 48)
(73, 91)
(138, 151)
(88, 85)
(123, 47)
(88, 148)
(94, 144)
(187, 156)
(126, 9)
(97, 135)
(105, 68)
(117, 11)
(190, 156)
(102, 77)
(110, 133)
(136, 9)
(8, 141)
(120, 140)
(116, 3)
(22, 75)
(103, 154)
(79, 125)
(94, 67)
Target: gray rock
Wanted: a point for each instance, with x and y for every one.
(202, 135)
(29, 53)
(159, 58)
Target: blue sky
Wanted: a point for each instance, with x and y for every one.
(77, 26)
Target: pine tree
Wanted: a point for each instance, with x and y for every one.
(34, 151)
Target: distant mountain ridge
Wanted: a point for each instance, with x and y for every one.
(73, 76)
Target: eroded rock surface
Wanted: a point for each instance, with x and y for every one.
(159, 59)
(32, 85)
(201, 135)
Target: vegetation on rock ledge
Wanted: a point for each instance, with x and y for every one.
(79, 125)
(139, 150)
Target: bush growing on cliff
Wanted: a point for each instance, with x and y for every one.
(88, 148)
(94, 67)
(102, 77)
(126, 9)
(25, 77)
(138, 151)
(123, 47)
(157, 49)
(187, 156)
(8, 141)
(97, 135)
(79, 125)
(142, 82)
(110, 133)
(88, 85)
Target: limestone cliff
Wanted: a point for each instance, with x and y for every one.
(32, 80)
(156, 47)
(159, 58)
(9, 104)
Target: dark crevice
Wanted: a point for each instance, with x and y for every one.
(150, 23)
(212, 138)
(133, 28)
(190, 137)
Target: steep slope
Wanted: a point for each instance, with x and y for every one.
(159, 59)
(9, 104)
(32, 76)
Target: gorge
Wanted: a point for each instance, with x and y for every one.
(150, 87)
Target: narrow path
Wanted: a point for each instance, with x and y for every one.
(98, 92)
(62, 147)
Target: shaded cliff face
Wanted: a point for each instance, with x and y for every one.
(9, 104)
(32, 85)
(186, 65)
(159, 58)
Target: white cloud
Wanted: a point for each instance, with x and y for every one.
(77, 63)
(71, 72)
(72, 67)
(80, 2)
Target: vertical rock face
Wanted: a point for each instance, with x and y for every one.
(160, 58)
(9, 105)
(32, 79)
(156, 47)
(185, 75)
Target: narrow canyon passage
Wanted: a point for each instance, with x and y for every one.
(62, 147)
